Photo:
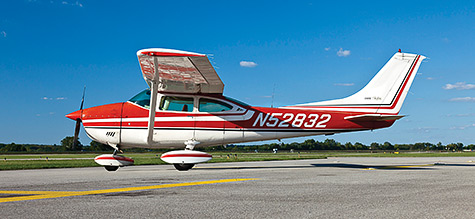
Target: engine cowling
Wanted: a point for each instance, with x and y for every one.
(185, 157)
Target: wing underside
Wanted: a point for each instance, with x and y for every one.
(179, 71)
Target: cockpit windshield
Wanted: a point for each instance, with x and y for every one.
(142, 99)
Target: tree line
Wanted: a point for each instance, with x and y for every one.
(331, 144)
(307, 145)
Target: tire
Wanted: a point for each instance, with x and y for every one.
(183, 166)
(111, 168)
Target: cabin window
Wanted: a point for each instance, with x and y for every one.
(182, 104)
(209, 105)
(142, 99)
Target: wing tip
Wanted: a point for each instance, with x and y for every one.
(166, 52)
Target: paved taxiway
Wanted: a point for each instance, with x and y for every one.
(327, 188)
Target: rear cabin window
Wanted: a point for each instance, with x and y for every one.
(142, 99)
(182, 104)
(209, 105)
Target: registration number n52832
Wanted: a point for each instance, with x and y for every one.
(282, 120)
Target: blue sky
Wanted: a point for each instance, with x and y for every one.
(307, 50)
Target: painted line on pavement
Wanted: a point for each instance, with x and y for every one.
(35, 195)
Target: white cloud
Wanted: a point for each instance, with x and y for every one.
(424, 129)
(247, 64)
(462, 127)
(461, 115)
(344, 84)
(3, 34)
(77, 3)
(463, 99)
(343, 53)
(327, 49)
(430, 78)
(459, 86)
(57, 98)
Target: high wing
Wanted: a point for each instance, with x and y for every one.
(179, 71)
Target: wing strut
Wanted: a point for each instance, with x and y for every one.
(153, 104)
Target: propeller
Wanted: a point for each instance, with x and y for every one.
(78, 123)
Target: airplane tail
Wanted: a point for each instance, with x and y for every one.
(385, 93)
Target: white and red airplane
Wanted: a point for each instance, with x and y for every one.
(185, 107)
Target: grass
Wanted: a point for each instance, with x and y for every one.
(32, 161)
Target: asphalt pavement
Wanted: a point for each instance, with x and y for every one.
(442, 187)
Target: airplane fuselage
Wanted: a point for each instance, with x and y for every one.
(211, 120)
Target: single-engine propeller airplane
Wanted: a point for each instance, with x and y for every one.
(185, 107)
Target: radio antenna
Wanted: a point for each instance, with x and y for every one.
(273, 95)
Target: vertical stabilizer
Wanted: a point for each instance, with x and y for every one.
(385, 93)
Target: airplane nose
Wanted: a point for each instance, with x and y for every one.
(74, 115)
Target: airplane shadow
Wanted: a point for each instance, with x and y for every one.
(342, 165)
(379, 167)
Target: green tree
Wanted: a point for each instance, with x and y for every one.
(67, 143)
(349, 146)
(375, 146)
(331, 144)
(96, 146)
(387, 146)
(13, 147)
(360, 146)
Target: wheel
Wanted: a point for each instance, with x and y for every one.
(111, 168)
(183, 166)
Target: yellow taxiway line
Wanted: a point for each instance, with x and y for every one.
(34, 195)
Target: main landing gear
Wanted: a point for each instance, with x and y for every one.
(184, 160)
(112, 162)
(111, 168)
(183, 166)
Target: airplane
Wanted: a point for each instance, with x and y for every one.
(184, 107)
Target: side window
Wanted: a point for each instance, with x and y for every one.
(209, 105)
(182, 104)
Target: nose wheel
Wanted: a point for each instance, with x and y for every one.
(183, 166)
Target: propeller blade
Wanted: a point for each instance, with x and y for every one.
(82, 101)
(76, 134)
(78, 123)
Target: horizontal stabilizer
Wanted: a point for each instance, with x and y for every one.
(373, 117)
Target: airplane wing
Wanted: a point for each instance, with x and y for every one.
(179, 71)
